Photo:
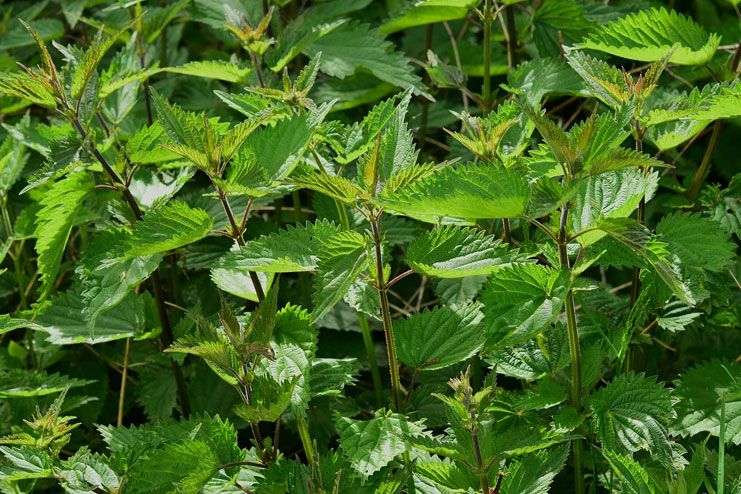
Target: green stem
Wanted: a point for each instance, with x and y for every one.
(575, 352)
(487, 57)
(511, 37)
(483, 477)
(722, 447)
(388, 328)
(705, 163)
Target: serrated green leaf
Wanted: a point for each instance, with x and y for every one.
(54, 222)
(295, 249)
(534, 473)
(340, 262)
(62, 320)
(606, 82)
(684, 233)
(536, 79)
(168, 227)
(648, 35)
(633, 413)
(370, 445)
(458, 252)
(466, 191)
(519, 301)
(104, 285)
(22, 383)
(86, 471)
(87, 66)
(609, 195)
(212, 69)
(424, 12)
(634, 479)
(25, 463)
(438, 338)
(701, 391)
(182, 468)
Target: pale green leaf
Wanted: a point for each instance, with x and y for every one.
(370, 445)
(465, 191)
(295, 249)
(648, 35)
(212, 69)
(420, 13)
(457, 252)
(54, 221)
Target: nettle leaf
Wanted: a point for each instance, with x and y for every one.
(711, 102)
(412, 14)
(340, 263)
(86, 471)
(441, 337)
(370, 445)
(54, 221)
(168, 227)
(22, 383)
(105, 285)
(458, 252)
(605, 81)
(634, 479)
(650, 251)
(633, 413)
(295, 249)
(521, 300)
(648, 35)
(351, 141)
(609, 195)
(25, 463)
(354, 47)
(330, 376)
(340, 188)
(62, 320)
(536, 79)
(533, 474)
(13, 158)
(533, 359)
(213, 69)
(85, 69)
(702, 391)
(183, 466)
(279, 146)
(466, 191)
(21, 85)
(697, 241)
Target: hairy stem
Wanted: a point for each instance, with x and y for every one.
(705, 163)
(166, 338)
(122, 391)
(237, 234)
(422, 136)
(388, 328)
(640, 217)
(483, 478)
(486, 91)
(575, 352)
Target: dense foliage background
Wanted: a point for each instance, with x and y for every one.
(349, 246)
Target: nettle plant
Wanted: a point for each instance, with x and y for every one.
(249, 248)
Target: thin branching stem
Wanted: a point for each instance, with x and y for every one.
(574, 350)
